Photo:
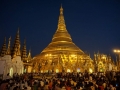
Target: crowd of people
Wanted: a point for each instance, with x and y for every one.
(62, 81)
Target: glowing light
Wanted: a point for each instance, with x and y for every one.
(48, 55)
(78, 70)
(116, 51)
(103, 57)
(57, 71)
(41, 71)
(46, 71)
(101, 70)
(90, 70)
(11, 71)
(73, 55)
(68, 70)
(34, 70)
(29, 69)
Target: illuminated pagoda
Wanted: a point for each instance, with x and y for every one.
(62, 54)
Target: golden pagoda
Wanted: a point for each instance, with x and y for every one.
(62, 54)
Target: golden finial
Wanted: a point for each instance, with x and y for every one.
(61, 9)
(8, 52)
(61, 21)
(18, 30)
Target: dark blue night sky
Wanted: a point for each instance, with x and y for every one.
(94, 25)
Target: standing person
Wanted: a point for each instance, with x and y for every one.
(100, 86)
(111, 87)
(28, 87)
(8, 77)
(35, 86)
(41, 84)
(68, 85)
(50, 85)
(46, 86)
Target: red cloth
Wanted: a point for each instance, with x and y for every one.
(50, 86)
(3, 86)
(68, 88)
(101, 87)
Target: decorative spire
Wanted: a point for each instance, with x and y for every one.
(3, 50)
(16, 45)
(8, 52)
(18, 30)
(24, 52)
(61, 10)
(61, 32)
(61, 21)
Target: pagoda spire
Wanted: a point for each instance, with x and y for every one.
(61, 21)
(24, 52)
(16, 45)
(3, 50)
(61, 33)
(8, 52)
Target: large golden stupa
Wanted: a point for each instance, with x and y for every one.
(62, 54)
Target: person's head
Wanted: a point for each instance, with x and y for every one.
(8, 74)
(111, 85)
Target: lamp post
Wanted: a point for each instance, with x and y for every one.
(117, 51)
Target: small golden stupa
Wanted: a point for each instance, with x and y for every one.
(62, 54)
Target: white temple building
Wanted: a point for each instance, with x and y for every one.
(13, 60)
(11, 66)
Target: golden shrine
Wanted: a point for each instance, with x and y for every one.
(62, 54)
